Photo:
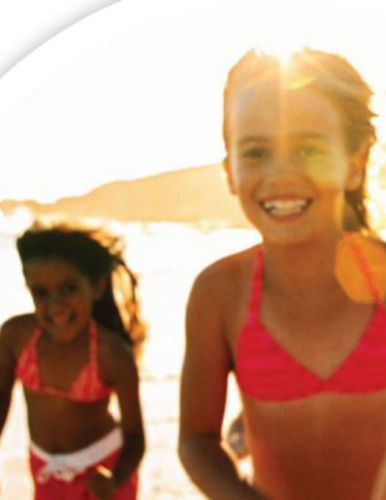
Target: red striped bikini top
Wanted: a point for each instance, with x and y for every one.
(266, 371)
(87, 386)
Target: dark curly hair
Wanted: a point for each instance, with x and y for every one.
(96, 254)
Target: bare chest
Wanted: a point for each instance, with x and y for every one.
(59, 366)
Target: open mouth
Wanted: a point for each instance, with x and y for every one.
(285, 208)
(61, 321)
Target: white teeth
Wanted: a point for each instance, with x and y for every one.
(284, 207)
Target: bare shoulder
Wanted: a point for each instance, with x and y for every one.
(16, 331)
(218, 302)
(226, 271)
(112, 346)
(223, 287)
(115, 355)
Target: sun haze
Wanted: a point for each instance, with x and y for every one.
(132, 91)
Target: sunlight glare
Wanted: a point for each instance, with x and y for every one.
(109, 108)
(282, 49)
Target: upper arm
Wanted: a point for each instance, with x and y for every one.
(206, 362)
(121, 372)
(7, 357)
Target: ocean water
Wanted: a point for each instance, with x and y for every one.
(166, 258)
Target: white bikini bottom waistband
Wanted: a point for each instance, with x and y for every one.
(65, 466)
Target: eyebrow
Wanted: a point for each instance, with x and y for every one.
(36, 287)
(65, 282)
(267, 139)
(253, 138)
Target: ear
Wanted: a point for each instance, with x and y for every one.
(228, 173)
(357, 167)
(100, 287)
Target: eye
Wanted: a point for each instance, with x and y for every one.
(256, 153)
(70, 288)
(310, 151)
(39, 293)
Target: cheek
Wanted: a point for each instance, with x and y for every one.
(85, 301)
(38, 307)
(40, 310)
(241, 170)
(242, 179)
(330, 173)
(38, 303)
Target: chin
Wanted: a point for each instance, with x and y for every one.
(66, 335)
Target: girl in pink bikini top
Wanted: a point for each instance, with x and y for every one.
(300, 319)
(78, 347)
(267, 372)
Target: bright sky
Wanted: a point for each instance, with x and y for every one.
(136, 88)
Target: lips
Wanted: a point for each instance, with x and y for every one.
(61, 320)
(285, 207)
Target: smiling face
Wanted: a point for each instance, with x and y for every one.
(62, 295)
(288, 161)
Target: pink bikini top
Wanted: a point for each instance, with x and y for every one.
(87, 386)
(265, 371)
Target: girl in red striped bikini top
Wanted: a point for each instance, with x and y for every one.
(86, 387)
(299, 320)
(77, 348)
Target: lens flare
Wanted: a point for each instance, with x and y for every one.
(360, 268)
(281, 49)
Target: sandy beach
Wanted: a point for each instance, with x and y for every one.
(166, 258)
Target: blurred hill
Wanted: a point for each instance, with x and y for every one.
(189, 195)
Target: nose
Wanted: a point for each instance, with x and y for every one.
(55, 301)
(283, 166)
(283, 175)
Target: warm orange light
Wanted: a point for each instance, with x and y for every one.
(360, 268)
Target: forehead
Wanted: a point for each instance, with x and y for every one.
(50, 269)
(267, 108)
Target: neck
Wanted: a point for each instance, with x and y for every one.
(299, 269)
